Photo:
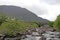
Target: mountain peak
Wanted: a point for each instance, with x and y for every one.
(21, 13)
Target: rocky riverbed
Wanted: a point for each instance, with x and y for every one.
(48, 35)
(40, 33)
(36, 36)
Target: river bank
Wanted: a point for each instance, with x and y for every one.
(41, 33)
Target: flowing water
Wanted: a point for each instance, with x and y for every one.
(34, 36)
(48, 35)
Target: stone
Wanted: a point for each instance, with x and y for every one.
(35, 33)
(42, 38)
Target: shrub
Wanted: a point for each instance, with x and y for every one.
(50, 23)
(57, 23)
(12, 27)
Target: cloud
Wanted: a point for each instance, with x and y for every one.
(52, 11)
(47, 9)
(37, 10)
(51, 1)
(32, 5)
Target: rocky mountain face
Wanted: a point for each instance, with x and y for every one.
(21, 13)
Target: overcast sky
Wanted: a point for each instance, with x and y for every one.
(47, 9)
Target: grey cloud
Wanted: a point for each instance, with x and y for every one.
(52, 1)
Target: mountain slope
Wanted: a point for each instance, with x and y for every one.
(21, 13)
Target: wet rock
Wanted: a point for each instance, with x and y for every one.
(35, 34)
(30, 37)
(52, 35)
(16, 38)
(49, 36)
(2, 36)
(42, 38)
(53, 39)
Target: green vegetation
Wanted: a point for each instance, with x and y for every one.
(36, 22)
(57, 23)
(12, 26)
(2, 18)
(50, 23)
